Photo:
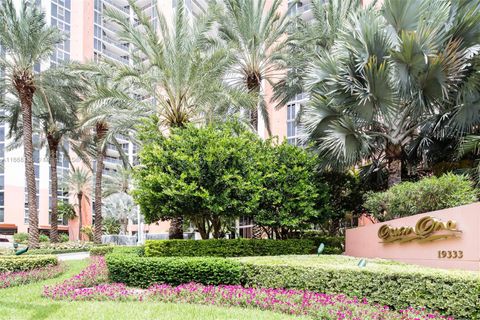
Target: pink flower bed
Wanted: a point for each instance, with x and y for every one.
(11, 279)
(89, 286)
(96, 273)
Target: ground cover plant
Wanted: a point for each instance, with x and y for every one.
(17, 278)
(287, 301)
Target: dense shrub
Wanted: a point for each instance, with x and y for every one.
(63, 247)
(101, 251)
(135, 250)
(291, 198)
(63, 237)
(21, 237)
(207, 175)
(24, 263)
(237, 247)
(43, 238)
(142, 272)
(429, 194)
(392, 284)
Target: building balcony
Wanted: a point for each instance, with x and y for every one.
(114, 4)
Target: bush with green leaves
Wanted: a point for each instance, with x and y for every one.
(201, 174)
(43, 238)
(291, 198)
(61, 247)
(238, 247)
(101, 251)
(21, 237)
(389, 283)
(428, 194)
(24, 263)
(63, 237)
(137, 271)
(135, 250)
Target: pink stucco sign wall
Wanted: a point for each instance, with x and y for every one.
(364, 241)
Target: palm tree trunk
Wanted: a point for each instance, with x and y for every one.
(26, 96)
(79, 199)
(394, 165)
(53, 146)
(176, 228)
(101, 131)
(253, 86)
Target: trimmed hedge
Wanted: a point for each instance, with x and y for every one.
(25, 263)
(239, 247)
(135, 250)
(452, 293)
(142, 272)
(35, 252)
(101, 251)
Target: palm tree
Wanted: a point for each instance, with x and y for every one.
(390, 74)
(56, 104)
(119, 181)
(79, 183)
(26, 40)
(256, 36)
(108, 122)
(306, 39)
(172, 76)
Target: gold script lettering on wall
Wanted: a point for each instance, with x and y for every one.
(426, 229)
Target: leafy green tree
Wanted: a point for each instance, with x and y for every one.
(390, 74)
(204, 174)
(254, 33)
(26, 40)
(345, 191)
(291, 199)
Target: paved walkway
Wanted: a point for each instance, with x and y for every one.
(73, 256)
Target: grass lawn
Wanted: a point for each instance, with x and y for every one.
(25, 302)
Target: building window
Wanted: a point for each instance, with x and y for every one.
(292, 123)
(60, 11)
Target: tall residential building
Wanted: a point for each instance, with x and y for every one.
(88, 36)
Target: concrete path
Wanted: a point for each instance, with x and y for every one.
(73, 256)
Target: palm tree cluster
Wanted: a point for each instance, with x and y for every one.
(384, 83)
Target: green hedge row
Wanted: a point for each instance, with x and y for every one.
(35, 252)
(455, 294)
(101, 251)
(239, 247)
(142, 272)
(24, 263)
